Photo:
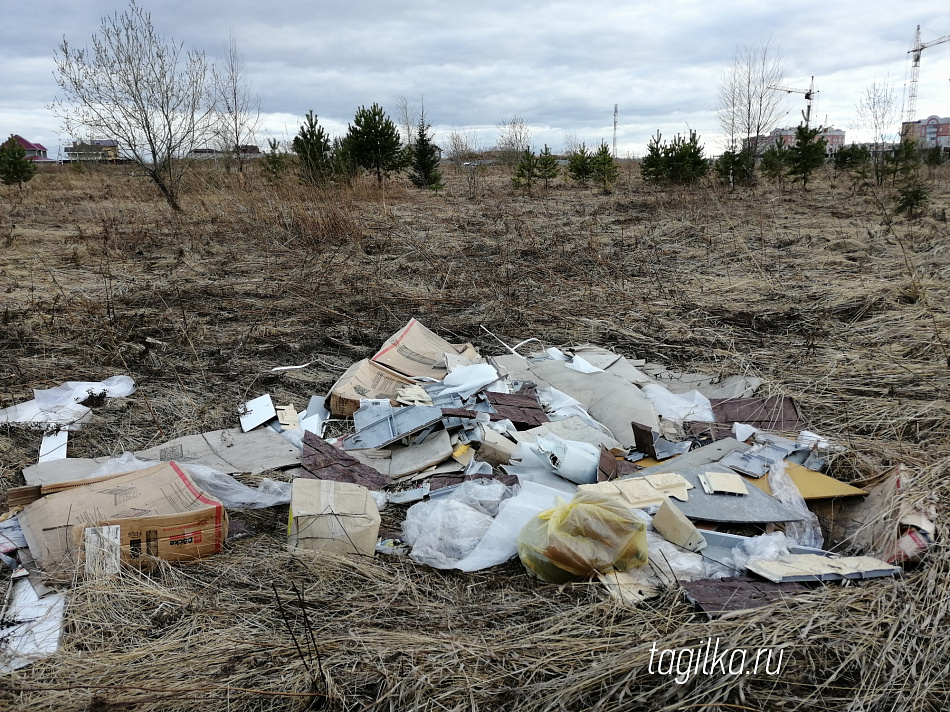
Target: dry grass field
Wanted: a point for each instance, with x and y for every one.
(826, 295)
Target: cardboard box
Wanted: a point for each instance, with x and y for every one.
(338, 517)
(416, 351)
(160, 512)
(364, 379)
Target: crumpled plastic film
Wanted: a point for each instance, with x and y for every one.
(807, 532)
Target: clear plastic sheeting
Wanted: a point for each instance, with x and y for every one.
(500, 542)
(444, 531)
(671, 563)
(679, 407)
(765, 547)
(63, 405)
(806, 532)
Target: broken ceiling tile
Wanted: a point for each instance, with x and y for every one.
(327, 462)
(812, 567)
(773, 413)
(723, 483)
(714, 597)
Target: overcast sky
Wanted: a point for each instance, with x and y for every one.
(560, 65)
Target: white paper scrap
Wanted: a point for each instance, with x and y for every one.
(53, 446)
(257, 412)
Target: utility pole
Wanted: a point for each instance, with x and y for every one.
(616, 114)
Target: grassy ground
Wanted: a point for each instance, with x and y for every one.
(826, 295)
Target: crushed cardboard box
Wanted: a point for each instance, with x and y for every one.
(159, 511)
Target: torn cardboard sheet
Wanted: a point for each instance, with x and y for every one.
(71, 468)
(629, 587)
(30, 626)
(811, 567)
(412, 459)
(229, 451)
(611, 400)
(160, 510)
(326, 462)
(364, 379)
(335, 517)
(416, 351)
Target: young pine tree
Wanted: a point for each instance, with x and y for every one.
(775, 162)
(807, 154)
(580, 166)
(604, 168)
(526, 173)
(425, 158)
(548, 168)
(373, 142)
(314, 153)
(14, 165)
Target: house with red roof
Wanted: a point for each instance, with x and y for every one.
(35, 152)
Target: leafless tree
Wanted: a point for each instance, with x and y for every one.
(142, 90)
(514, 138)
(238, 109)
(464, 152)
(746, 107)
(571, 144)
(877, 113)
(408, 118)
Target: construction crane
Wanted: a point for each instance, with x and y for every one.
(915, 71)
(809, 95)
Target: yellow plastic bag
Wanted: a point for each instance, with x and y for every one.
(591, 534)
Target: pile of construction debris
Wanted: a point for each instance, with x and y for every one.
(584, 463)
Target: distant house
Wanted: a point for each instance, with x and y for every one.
(246, 150)
(35, 152)
(97, 149)
(932, 131)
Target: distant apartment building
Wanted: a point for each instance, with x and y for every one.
(35, 152)
(97, 149)
(932, 131)
(834, 139)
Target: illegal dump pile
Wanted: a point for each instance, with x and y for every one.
(680, 508)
